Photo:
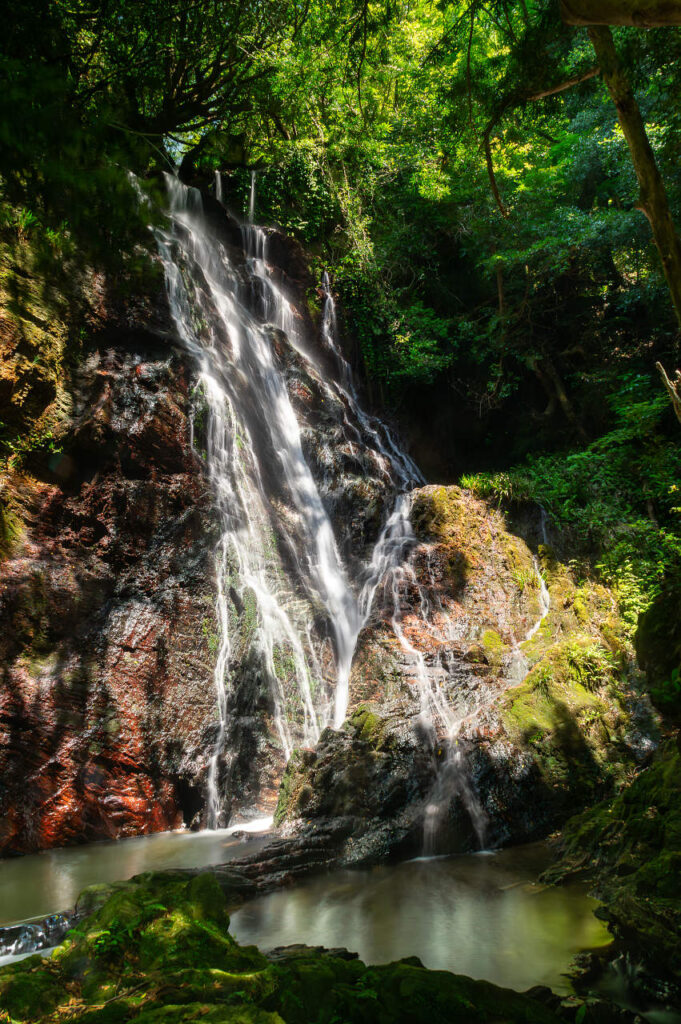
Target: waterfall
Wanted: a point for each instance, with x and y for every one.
(278, 564)
(251, 200)
(397, 536)
(453, 777)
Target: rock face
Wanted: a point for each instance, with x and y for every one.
(478, 713)
(108, 535)
(541, 711)
(108, 532)
(107, 610)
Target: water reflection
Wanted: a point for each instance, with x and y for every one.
(485, 916)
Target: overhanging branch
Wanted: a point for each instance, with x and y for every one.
(492, 176)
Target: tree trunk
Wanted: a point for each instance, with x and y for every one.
(673, 388)
(639, 13)
(652, 195)
(552, 383)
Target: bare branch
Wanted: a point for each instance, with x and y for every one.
(567, 84)
(673, 388)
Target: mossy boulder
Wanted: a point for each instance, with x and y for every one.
(572, 732)
(569, 713)
(534, 668)
(371, 772)
(658, 647)
(466, 599)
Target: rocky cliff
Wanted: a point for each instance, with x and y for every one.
(483, 703)
(544, 705)
(106, 586)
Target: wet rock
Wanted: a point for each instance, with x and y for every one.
(35, 935)
(106, 678)
(107, 591)
(485, 706)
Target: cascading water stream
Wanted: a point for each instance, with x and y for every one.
(251, 200)
(397, 536)
(236, 363)
(226, 314)
(223, 314)
(453, 776)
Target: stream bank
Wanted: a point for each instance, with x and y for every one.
(159, 948)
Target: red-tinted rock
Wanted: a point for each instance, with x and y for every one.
(107, 688)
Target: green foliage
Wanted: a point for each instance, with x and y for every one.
(631, 848)
(616, 497)
(364, 122)
(503, 488)
(667, 694)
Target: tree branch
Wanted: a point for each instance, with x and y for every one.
(673, 388)
(567, 84)
(492, 176)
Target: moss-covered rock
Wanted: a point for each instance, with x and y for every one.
(568, 713)
(630, 847)
(374, 771)
(499, 683)
(658, 646)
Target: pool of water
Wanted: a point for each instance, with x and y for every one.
(45, 883)
(484, 915)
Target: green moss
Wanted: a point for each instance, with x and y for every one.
(208, 1014)
(440, 512)
(291, 781)
(631, 847)
(569, 713)
(250, 615)
(29, 990)
(494, 647)
(492, 642)
(366, 723)
(209, 632)
(284, 662)
(11, 529)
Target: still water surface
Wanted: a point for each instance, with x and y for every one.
(484, 915)
(481, 915)
(45, 883)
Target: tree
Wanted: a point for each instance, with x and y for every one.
(653, 200)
